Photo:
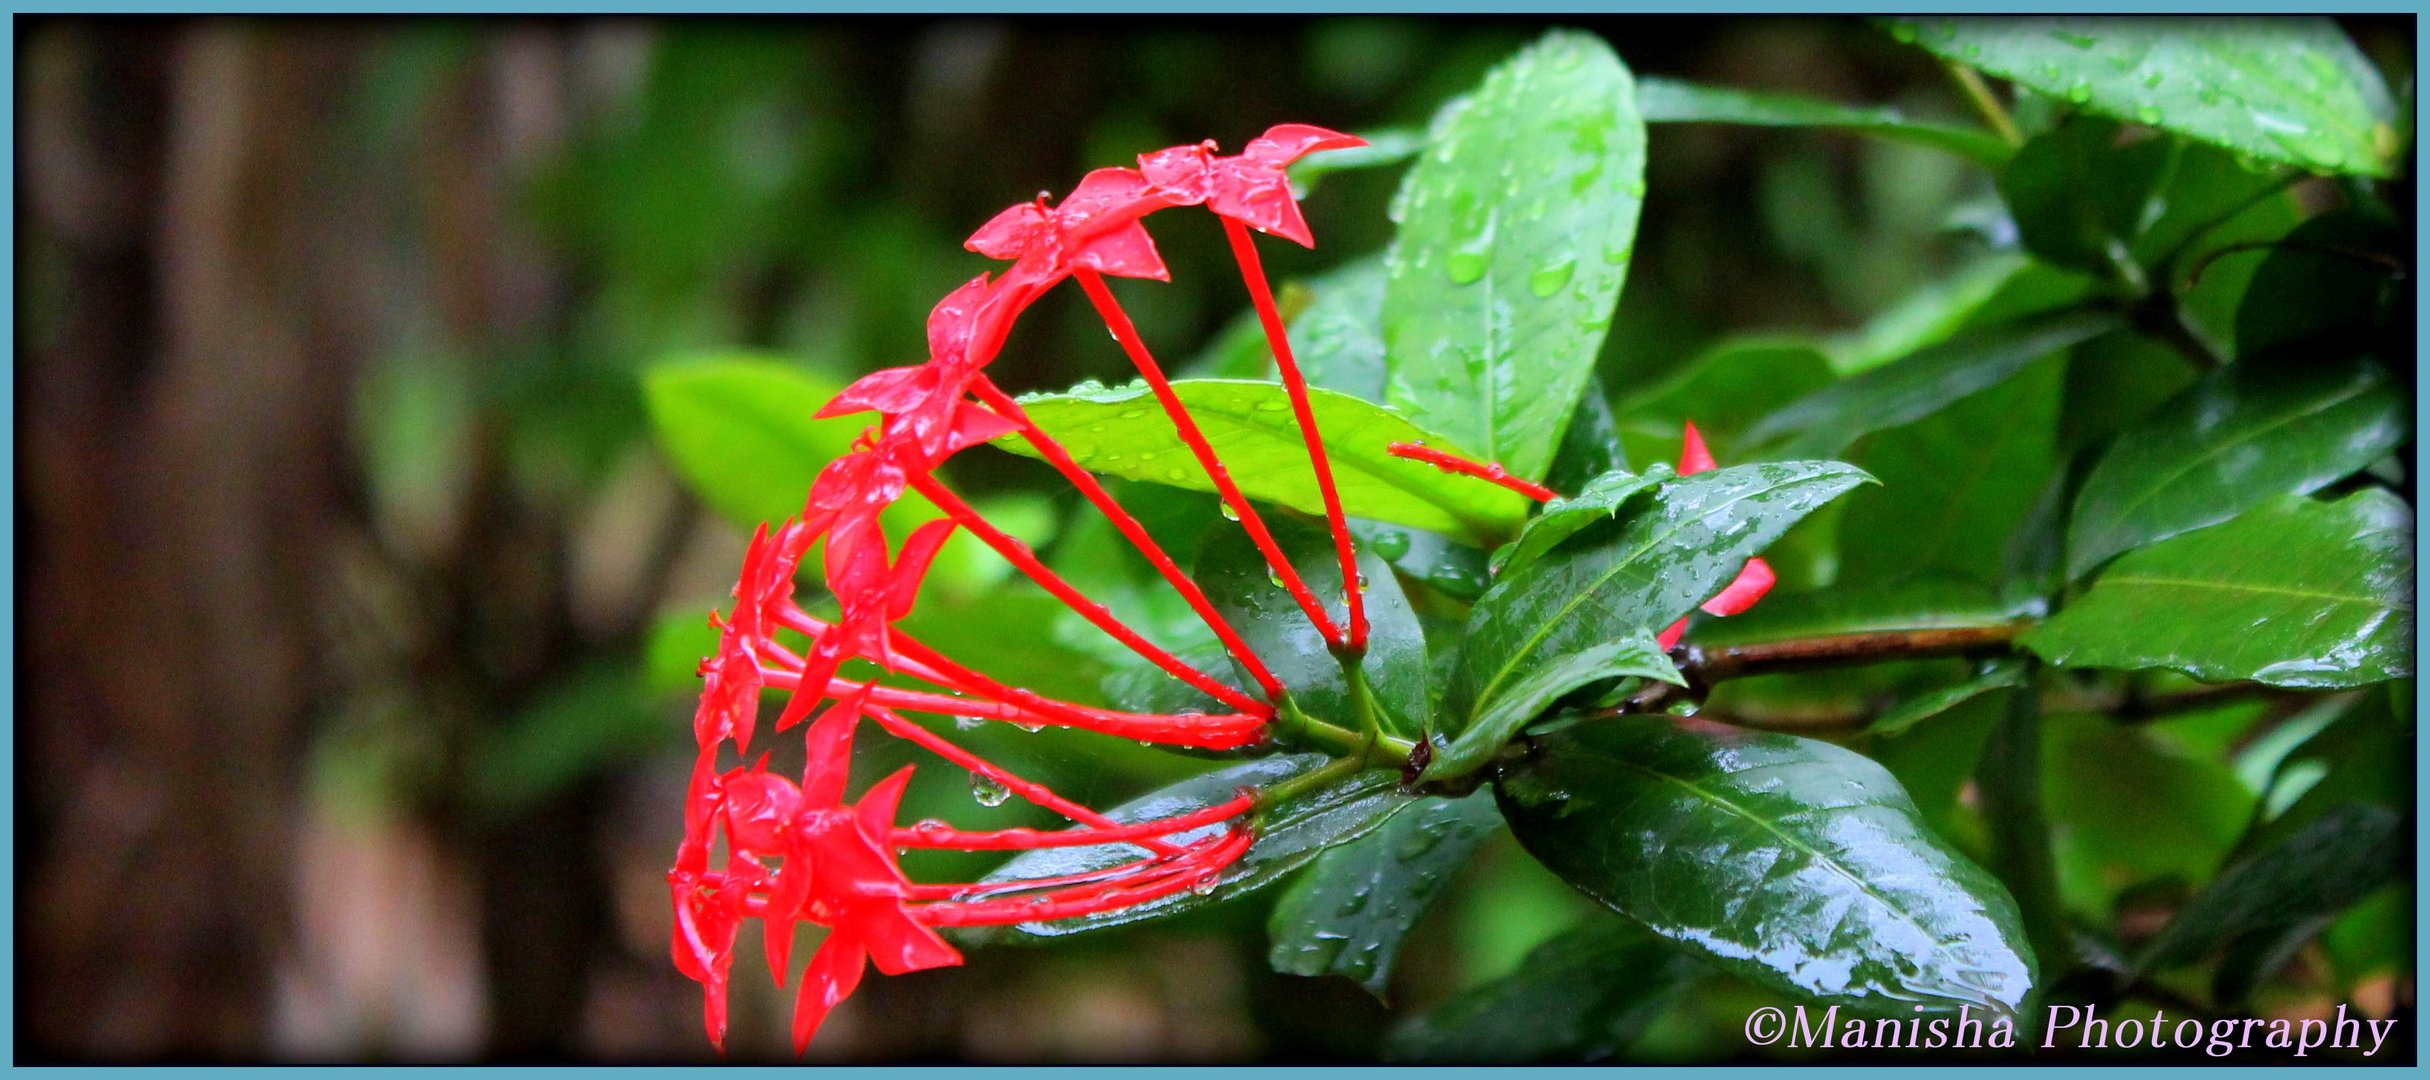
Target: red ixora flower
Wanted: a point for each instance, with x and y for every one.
(796, 852)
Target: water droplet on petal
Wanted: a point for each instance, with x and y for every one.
(986, 791)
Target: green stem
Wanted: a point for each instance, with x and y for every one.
(1979, 94)
(1368, 749)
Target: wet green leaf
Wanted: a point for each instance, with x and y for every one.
(1349, 913)
(1584, 996)
(1515, 236)
(1827, 421)
(1288, 837)
(1499, 715)
(1122, 432)
(2279, 89)
(1639, 573)
(1668, 101)
(1447, 566)
(1242, 587)
(2242, 435)
(1928, 602)
(2293, 593)
(1722, 389)
(1798, 865)
(1561, 519)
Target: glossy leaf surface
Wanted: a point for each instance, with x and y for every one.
(1350, 912)
(1798, 865)
(2278, 89)
(1497, 716)
(2242, 435)
(1288, 835)
(1515, 236)
(1669, 101)
(2293, 592)
(1241, 585)
(1583, 996)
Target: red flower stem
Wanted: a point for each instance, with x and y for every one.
(1185, 872)
(1261, 296)
(1120, 323)
(1018, 553)
(927, 836)
(1036, 793)
(1453, 463)
(1218, 731)
(1215, 731)
(1122, 521)
(985, 890)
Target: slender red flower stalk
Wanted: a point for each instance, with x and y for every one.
(796, 853)
(1460, 466)
(1250, 521)
(1261, 296)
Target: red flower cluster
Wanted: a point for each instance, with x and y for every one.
(801, 852)
(795, 853)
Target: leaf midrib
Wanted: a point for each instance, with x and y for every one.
(2390, 603)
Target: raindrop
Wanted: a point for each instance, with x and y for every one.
(968, 723)
(1549, 280)
(1204, 886)
(985, 791)
(1229, 514)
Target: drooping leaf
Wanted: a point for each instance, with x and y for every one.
(1241, 586)
(1669, 101)
(2293, 593)
(1639, 573)
(1121, 431)
(1584, 996)
(2082, 193)
(2279, 89)
(1827, 421)
(1349, 913)
(1561, 519)
(2343, 857)
(1514, 704)
(1516, 229)
(2244, 434)
(1992, 676)
(1288, 836)
(1955, 484)
(1798, 865)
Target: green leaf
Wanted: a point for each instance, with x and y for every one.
(1827, 421)
(2241, 435)
(2081, 194)
(2340, 859)
(2278, 89)
(1638, 573)
(1994, 675)
(2293, 593)
(1668, 101)
(1335, 321)
(1241, 586)
(1954, 485)
(1590, 445)
(1120, 431)
(1722, 389)
(1430, 559)
(1798, 865)
(1349, 913)
(1499, 715)
(1515, 235)
(741, 433)
(1561, 518)
(1584, 996)
(1289, 835)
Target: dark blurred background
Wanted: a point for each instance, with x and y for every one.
(348, 728)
